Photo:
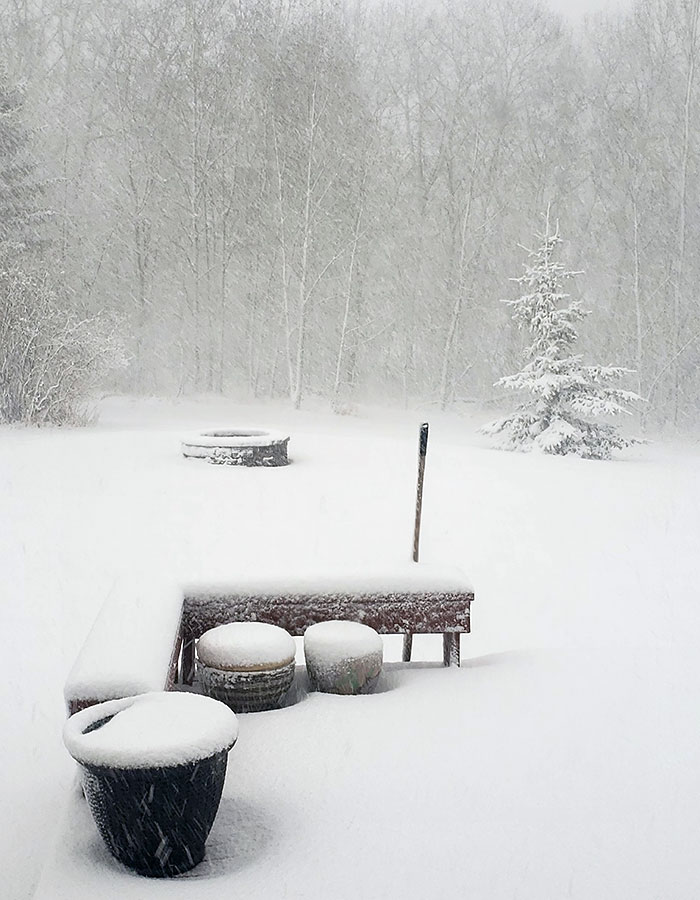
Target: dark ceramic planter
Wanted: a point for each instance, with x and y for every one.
(153, 779)
(156, 821)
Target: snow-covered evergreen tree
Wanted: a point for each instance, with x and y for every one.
(564, 393)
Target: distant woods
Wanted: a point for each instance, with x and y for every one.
(303, 198)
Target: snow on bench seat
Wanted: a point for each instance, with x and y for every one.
(411, 578)
(131, 649)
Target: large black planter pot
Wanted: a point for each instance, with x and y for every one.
(153, 780)
(156, 821)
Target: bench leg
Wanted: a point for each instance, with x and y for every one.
(450, 648)
(187, 664)
(174, 671)
(407, 646)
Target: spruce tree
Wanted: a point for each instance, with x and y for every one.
(564, 394)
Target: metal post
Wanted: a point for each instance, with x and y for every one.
(422, 450)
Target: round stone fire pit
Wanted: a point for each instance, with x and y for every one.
(238, 447)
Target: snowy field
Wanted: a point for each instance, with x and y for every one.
(561, 760)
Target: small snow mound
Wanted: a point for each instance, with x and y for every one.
(149, 730)
(327, 643)
(246, 647)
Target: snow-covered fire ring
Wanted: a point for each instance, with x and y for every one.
(238, 447)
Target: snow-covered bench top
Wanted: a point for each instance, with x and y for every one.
(408, 598)
(134, 645)
(412, 578)
(131, 648)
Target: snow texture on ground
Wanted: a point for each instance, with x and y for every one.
(561, 760)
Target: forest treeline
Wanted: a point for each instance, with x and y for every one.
(315, 198)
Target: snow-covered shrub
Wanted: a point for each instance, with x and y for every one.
(51, 359)
(563, 391)
(344, 407)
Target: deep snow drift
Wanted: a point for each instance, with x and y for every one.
(561, 760)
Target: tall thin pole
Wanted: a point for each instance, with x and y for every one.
(422, 450)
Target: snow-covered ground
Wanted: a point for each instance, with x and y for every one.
(561, 760)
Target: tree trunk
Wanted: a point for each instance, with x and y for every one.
(682, 208)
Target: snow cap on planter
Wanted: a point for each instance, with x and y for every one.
(247, 665)
(150, 730)
(343, 657)
(246, 646)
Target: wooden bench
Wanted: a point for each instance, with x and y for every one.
(440, 607)
(133, 647)
(143, 646)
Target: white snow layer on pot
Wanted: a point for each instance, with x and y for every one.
(246, 647)
(150, 730)
(328, 643)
